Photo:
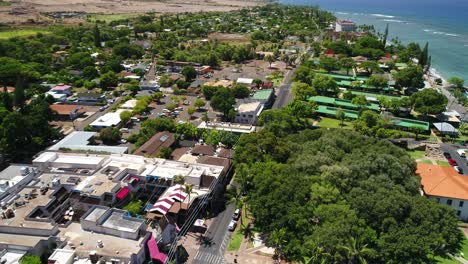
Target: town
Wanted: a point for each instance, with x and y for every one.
(267, 134)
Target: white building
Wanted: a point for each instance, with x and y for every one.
(107, 120)
(129, 105)
(345, 26)
(80, 140)
(62, 256)
(446, 186)
(248, 113)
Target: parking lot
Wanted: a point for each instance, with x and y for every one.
(256, 69)
(452, 150)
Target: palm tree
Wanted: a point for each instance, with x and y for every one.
(189, 189)
(277, 239)
(179, 179)
(234, 196)
(357, 252)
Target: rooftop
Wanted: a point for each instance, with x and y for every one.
(80, 140)
(262, 95)
(442, 181)
(245, 81)
(130, 104)
(61, 87)
(107, 120)
(85, 242)
(222, 126)
(155, 143)
(63, 109)
(248, 107)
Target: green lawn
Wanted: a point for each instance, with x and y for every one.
(447, 260)
(111, 17)
(417, 154)
(3, 3)
(236, 240)
(426, 161)
(443, 163)
(22, 33)
(334, 123)
(465, 248)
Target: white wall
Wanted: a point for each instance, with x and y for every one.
(455, 204)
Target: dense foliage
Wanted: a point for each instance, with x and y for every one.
(339, 197)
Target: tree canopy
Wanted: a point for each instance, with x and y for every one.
(337, 196)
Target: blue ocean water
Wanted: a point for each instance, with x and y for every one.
(444, 24)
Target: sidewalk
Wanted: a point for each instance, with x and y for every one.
(191, 242)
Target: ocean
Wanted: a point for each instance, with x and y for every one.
(444, 24)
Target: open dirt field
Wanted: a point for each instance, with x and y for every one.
(22, 10)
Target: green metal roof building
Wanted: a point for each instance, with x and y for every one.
(262, 95)
(336, 102)
(410, 123)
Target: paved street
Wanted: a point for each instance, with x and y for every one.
(453, 105)
(285, 95)
(217, 239)
(81, 125)
(452, 149)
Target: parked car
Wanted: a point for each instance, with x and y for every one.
(452, 162)
(134, 119)
(124, 130)
(179, 109)
(458, 169)
(461, 152)
(447, 155)
(232, 225)
(123, 141)
(236, 214)
(166, 110)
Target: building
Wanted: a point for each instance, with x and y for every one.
(129, 104)
(62, 256)
(83, 141)
(62, 89)
(446, 186)
(444, 128)
(245, 81)
(153, 86)
(56, 96)
(227, 126)
(152, 147)
(67, 112)
(265, 97)
(248, 113)
(107, 120)
(345, 26)
(90, 98)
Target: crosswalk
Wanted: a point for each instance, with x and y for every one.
(208, 258)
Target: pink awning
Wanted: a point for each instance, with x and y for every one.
(162, 205)
(154, 250)
(123, 193)
(179, 196)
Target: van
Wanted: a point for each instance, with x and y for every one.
(461, 152)
(134, 119)
(124, 130)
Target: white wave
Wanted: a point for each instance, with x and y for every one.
(451, 35)
(428, 30)
(445, 34)
(342, 13)
(381, 15)
(394, 20)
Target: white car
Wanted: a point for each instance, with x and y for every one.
(166, 111)
(232, 225)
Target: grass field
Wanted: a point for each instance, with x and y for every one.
(443, 163)
(334, 123)
(447, 260)
(3, 3)
(22, 33)
(417, 154)
(110, 17)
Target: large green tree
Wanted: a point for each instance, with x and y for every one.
(223, 101)
(429, 101)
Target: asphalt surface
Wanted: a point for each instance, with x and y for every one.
(461, 162)
(217, 239)
(81, 125)
(285, 95)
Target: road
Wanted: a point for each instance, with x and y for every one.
(79, 126)
(454, 105)
(285, 91)
(461, 162)
(218, 237)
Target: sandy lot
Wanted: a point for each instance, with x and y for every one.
(31, 9)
